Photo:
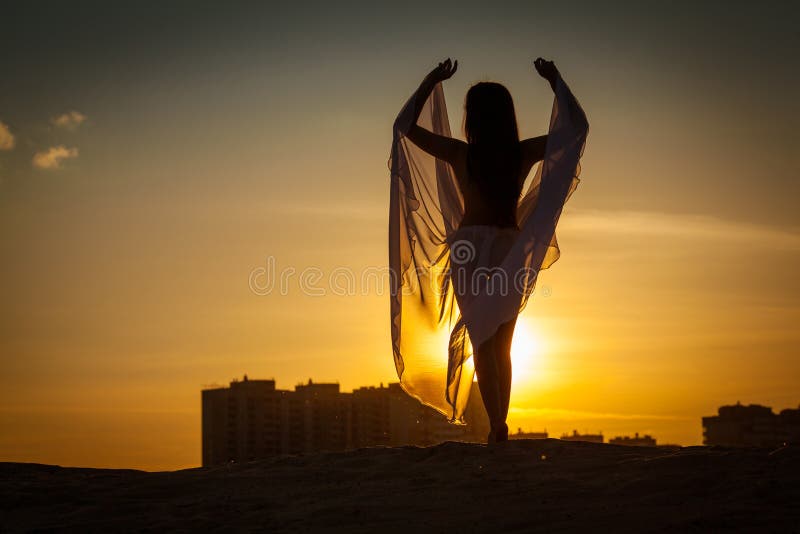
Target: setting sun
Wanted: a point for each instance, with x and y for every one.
(526, 353)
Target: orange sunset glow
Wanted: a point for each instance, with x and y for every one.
(153, 166)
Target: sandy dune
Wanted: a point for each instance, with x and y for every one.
(548, 485)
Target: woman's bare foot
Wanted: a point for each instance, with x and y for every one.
(497, 435)
(502, 433)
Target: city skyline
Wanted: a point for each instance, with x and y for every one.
(253, 419)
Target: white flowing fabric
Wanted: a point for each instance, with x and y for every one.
(435, 322)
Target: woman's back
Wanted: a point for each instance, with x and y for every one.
(489, 197)
(492, 165)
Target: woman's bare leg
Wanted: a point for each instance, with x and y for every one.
(503, 339)
(489, 384)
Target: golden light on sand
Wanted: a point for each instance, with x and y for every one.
(526, 353)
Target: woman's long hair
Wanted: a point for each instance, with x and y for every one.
(494, 156)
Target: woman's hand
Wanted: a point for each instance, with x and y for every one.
(444, 71)
(441, 73)
(547, 70)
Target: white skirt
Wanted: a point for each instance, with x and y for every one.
(477, 253)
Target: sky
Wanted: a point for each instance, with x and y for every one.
(154, 155)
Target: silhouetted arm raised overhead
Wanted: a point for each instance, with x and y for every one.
(535, 147)
(439, 146)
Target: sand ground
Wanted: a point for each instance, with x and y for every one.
(526, 485)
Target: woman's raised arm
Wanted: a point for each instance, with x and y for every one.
(439, 146)
(533, 149)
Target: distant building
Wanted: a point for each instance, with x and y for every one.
(594, 438)
(235, 420)
(751, 426)
(528, 435)
(387, 415)
(636, 440)
(252, 419)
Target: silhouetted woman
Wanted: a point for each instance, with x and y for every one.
(463, 213)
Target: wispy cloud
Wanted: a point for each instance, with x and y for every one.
(684, 226)
(69, 120)
(52, 157)
(7, 140)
